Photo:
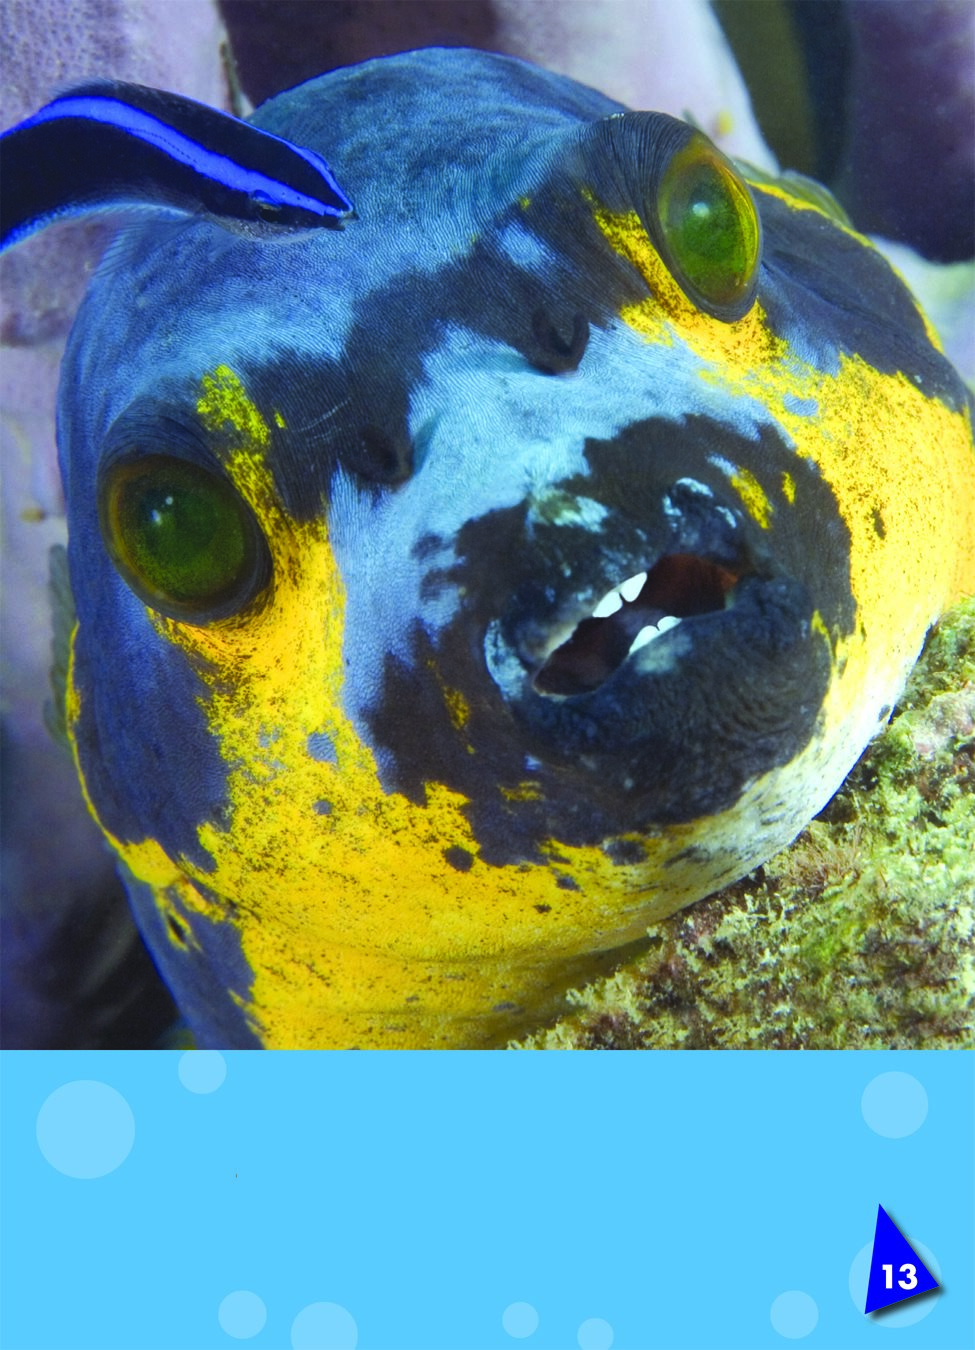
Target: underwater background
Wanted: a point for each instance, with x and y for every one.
(869, 918)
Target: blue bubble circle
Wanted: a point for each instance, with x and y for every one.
(794, 1314)
(242, 1314)
(324, 1326)
(202, 1070)
(85, 1129)
(898, 1314)
(595, 1334)
(519, 1320)
(894, 1105)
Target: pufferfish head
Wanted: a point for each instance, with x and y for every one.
(461, 591)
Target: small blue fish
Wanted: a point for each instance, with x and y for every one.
(108, 144)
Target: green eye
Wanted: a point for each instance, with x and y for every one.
(710, 229)
(181, 537)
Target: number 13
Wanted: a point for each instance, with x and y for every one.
(908, 1271)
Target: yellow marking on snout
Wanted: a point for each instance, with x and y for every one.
(753, 497)
(522, 792)
(458, 708)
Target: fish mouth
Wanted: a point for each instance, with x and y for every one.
(627, 647)
(661, 664)
(628, 604)
(629, 616)
(633, 646)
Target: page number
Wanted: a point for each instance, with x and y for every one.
(908, 1272)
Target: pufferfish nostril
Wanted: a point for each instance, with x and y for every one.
(637, 611)
(558, 345)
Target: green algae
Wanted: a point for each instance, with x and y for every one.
(861, 935)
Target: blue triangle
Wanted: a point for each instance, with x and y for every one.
(896, 1270)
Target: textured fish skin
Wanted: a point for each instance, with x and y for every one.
(347, 816)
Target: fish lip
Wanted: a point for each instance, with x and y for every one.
(522, 642)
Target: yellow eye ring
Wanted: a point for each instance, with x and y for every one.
(710, 233)
(181, 537)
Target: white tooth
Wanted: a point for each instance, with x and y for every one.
(644, 636)
(652, 631)
(610, 603)
(632, 587)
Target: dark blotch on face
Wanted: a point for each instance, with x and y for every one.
(459, 858)
(645, 746)
(621, 852)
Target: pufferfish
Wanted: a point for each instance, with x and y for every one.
(464, 588)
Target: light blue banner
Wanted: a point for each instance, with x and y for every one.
(477, 1201)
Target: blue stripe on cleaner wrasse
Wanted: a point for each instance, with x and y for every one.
(461, 592)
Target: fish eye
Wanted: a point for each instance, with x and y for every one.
(181, 537)
(710, 229)
(265, 206)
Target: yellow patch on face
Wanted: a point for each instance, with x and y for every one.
(868, 432)
(224, 402)
(458, 708)
(523, 792)
(753, 497)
